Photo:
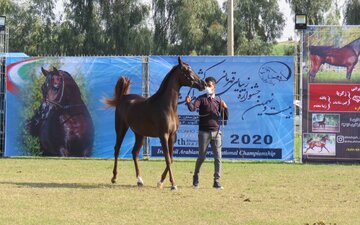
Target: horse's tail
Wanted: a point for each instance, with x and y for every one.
(121, 89)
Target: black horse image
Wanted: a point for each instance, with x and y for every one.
(62, 122)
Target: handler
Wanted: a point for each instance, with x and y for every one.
(209, 129)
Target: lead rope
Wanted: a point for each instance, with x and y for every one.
(222, 115)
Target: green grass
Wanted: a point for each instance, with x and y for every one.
(72, 191)
(337, 77)
(283, 48)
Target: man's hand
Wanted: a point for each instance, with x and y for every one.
(223, 104)
(188, 99)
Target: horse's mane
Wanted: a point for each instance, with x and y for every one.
(319, 50)
(308, 141)
(163, 85)
(72, 91)
(355, 45)
(68, 78)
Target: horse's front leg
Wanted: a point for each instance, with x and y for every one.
(306, 150)
(165, 147)
(326, 148)
(171, 142)
(349, 70)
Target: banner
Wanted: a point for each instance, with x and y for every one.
(331, 94)
(259, 94)
(50, 116)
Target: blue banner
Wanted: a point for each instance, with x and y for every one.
(95, 77)
(259, 94)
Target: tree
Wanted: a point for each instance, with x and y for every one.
(351, 12)
(124, 24)
(198, 26)
(257, 24)
(83, 24)
(189, 27)
(316, 10)
(163, 19)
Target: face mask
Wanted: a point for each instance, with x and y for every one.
(208, 91)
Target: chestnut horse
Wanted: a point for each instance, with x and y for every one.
(317, 143)
(346, 56)
(155, 116)
(62, 122)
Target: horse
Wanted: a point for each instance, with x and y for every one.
(317, 143)
(346, 56)
(62, 122)
(322, 123)
(155, 116)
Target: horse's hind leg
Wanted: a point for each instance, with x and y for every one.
(315, 66)
(139, 141)
(120, 134)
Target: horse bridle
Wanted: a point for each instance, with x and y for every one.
(58, 104)
(189, 77)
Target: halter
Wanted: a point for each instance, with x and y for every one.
(57, 103)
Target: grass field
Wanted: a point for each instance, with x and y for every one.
(337, 77)
(73, 191)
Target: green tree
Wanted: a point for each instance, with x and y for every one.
(31, 26)
(82, 28)
(351, 12)
(124, 24)
(164, 18)
(189, 27)
(199, 28)
(316, 11)
(257, 24)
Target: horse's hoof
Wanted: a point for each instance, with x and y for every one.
(113, 180)
(140, 182)
(173, 188)
(160, 184)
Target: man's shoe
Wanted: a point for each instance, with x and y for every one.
(217, 185)
(195, 181)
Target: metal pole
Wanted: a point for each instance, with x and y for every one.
(230, 36)
(146, 94)
(3, 52)
(301, 91)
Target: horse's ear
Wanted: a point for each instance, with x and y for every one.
(45, 72)
(180, 61)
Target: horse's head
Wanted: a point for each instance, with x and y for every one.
(189, 77)
(325, 138)
(53, 87)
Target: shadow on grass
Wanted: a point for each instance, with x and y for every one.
(74, 185)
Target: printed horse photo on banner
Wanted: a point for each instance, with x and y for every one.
(319, 144)
(62, 123)
(334, 60)
(325, 122)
